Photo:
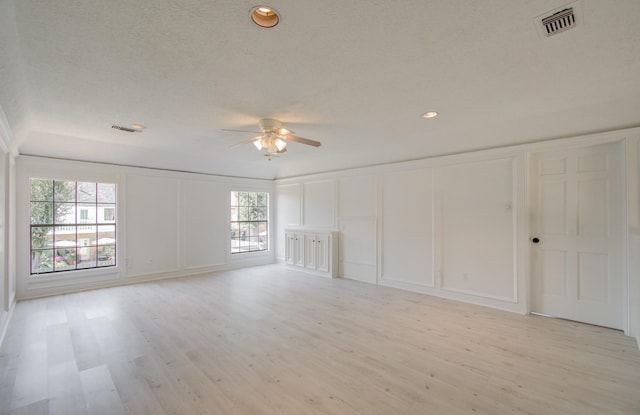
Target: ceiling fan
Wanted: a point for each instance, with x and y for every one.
(273, 138)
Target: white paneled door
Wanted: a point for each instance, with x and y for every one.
(576, 239)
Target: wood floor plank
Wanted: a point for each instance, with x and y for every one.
(35, 408)
(269, 340)
(100, 393)
(66, 394)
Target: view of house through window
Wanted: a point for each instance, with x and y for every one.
(249, 222)
(73, 225)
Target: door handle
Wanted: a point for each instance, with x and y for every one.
(535, 240)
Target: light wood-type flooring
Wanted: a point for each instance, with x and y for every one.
(268, 340)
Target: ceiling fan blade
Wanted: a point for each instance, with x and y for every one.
(247, 141)
(301, 140)
(240, 131)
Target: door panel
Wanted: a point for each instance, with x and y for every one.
(593, 277)
(577, 210)
(554, 272)
(593, 218)
(553, 209)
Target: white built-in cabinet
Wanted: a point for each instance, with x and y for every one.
(312, 251)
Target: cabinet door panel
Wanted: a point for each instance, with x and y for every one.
(299, 253)
(310, 251)
(290, 248)
(322, 253)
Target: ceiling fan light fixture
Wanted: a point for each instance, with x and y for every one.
(265, 16)
(274, 138)
(280, 144)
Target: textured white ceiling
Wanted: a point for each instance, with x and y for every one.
(355, 75)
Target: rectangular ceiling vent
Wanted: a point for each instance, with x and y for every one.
(127, 129)
(559, 22)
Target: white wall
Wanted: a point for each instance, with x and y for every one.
(454, 226)
(170, 224)
(416, 225)
(446, 226)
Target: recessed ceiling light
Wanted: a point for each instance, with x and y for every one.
(264, 16)
(138, 126)
(430, 114)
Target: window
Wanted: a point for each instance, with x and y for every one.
(65, 234)
(249, 222)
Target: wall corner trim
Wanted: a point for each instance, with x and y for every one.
(7, 139)
(5, 318)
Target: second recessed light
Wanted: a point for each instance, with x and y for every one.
(265, 16)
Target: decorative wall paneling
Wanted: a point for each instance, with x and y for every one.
(459, 226)
(358, 225)
(202, 210)
(391, 221)
(288, 206)
(477, 229)
(407, 243)
(319, 204)
(152, 212)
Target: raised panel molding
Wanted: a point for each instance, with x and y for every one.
(358, 248)
(407, 235)
(289, 204)
(200, 211)
(476, 229)
(358, 224)
(318, 203)
(152, 225)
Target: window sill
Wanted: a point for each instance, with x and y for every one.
(63, 278)
(248, 256)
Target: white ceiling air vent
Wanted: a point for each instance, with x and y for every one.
(127, 129)
(558, 20)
